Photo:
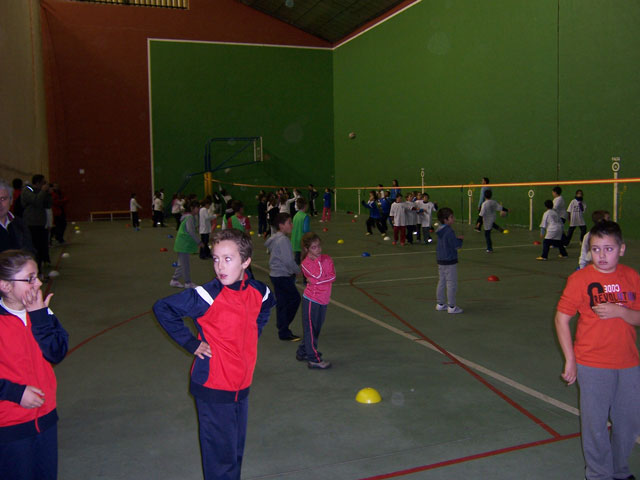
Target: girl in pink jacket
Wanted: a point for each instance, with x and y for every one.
(320, 274)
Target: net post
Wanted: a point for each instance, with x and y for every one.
(531, 194)
(615, 166)
(470, 195)
(358, 201)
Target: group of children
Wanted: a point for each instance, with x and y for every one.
(554, 219)
(408, 217)
(600, 362)
(284, 201)
(230, 313)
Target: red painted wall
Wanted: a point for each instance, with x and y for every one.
(96, 86)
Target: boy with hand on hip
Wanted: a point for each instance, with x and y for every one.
(604, 358)
(226, 348)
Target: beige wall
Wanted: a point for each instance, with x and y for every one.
(23, 136)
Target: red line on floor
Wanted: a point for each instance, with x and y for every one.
(476, 456)
(102, 332)
(475, 375)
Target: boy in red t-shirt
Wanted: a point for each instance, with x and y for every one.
(604, 357)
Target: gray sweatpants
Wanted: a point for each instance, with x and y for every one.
(447, 279)
(183, 269)
(607, 394)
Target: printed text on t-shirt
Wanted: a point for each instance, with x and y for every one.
(599, 293)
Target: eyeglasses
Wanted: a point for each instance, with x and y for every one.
(30, 280)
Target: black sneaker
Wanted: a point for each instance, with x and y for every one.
(299, 357)
(291, 338)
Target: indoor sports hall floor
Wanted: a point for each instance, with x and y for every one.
(476, 395)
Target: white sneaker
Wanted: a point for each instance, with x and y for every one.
(455, 309)
(176, 283)
(441, 306)
(190, 285)
(323, 364)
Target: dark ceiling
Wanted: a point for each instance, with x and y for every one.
(331, 20)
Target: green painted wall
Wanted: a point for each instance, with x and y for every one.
(510, 89)
(203, 90)
(600, 99)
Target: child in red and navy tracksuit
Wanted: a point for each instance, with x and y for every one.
(31, 338)
(229, 313)
(320, 274)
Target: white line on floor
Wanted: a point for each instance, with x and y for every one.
(475, 366)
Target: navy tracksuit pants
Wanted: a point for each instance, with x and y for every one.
(287, 303)
(223, 431)
(313, 315)
(31, 458)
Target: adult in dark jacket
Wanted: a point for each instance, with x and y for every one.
(14, 234)
(36, 199)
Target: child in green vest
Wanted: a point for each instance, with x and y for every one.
(238, 220)
(187, 243)
(301, 225)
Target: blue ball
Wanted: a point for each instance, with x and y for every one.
(366, 254)
(174, 264)
(169, 236)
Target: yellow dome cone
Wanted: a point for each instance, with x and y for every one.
(368, 395)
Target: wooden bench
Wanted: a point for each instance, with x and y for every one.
(102, 215)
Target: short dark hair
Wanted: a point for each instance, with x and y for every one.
(280, 219)
(486, 179)
(599, 215)
(301, 203)
(240, 238)
(488, 193)
(236, 205)
(548, 203)
(557, 190)
(37, 178)
(606, 228)
(444, 213)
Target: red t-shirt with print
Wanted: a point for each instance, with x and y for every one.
(602, 343)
